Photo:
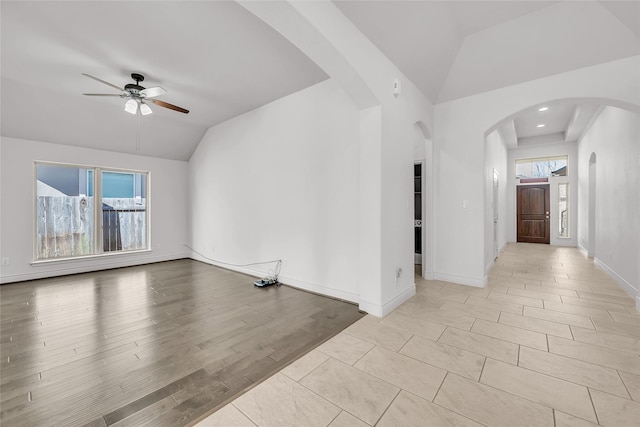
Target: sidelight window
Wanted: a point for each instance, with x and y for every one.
(563, 210)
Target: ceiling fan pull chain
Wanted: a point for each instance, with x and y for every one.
(138, 131)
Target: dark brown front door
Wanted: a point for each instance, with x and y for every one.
(533, 213)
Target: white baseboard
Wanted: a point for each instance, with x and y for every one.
(386, 308)
(626, 286)
(462, 280)
(81, 266)
(488, 267)
(319, 289)
(583, 250)
(289, 281)
(502, 248)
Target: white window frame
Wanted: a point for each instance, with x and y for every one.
(541, 159)
(97, 211)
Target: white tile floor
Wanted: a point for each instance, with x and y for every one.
(552, 341)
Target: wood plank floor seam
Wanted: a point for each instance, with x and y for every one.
(157, 344)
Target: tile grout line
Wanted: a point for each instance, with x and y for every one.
(624, 384)
(243, 414)
(532, 330)
(567, 381)
(573, 337)
(484, 362)
(388, 406)
(336, 417)
(585, 361)
(451, 410)
(372, 348)
(517, 395)
(593, 405)
(443, 331)
(440, 386)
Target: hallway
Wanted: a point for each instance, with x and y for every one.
(552, 341)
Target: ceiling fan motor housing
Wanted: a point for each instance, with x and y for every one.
(135, 89)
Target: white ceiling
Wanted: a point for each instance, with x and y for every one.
(453, 49)
(555, 120)
(214, 58)
(219, 61)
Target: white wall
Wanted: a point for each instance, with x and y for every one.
(281, 182)
(460, 127)
(495, 159)
(615, 139)
(556, 149)
(389, 142)
(385, 183)
(168, 207)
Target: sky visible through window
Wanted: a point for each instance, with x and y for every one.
(542, 167)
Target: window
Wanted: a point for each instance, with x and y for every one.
(71, 221)
(563, 210)
(123, 211)
(542, 167)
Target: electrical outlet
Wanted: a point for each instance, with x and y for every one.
(398, 273)
(6, 261)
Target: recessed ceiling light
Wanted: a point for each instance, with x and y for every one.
(541, 125)
(543, 108)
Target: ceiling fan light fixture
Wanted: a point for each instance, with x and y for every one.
(136, 95)
(145, 109)
(131, 106)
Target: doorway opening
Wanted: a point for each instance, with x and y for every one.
(533, 202)
(417, 216)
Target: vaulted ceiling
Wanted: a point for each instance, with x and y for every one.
(453, 49)
(218, 60)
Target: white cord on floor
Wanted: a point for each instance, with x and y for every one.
(276, 271)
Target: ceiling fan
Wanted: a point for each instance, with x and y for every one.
(138, 96)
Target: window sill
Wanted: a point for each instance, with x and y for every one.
(67, 260)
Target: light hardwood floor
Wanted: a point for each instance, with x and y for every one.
(552, 341)
(160, 344)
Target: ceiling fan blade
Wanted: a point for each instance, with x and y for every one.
(102, 94)
(102, 81)
(170, 106)
(152, 92)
